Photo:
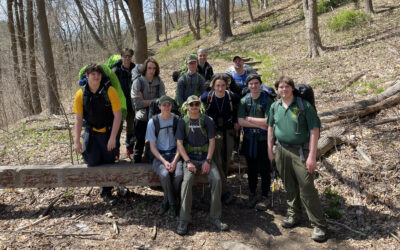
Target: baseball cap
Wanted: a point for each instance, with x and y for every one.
(192, 98)
(191, 58)
(253, 76)
(163, 99)
(236, 56)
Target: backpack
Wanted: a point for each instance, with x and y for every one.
(157, 128)
(270, 91)
(108, 76)
(189, 148)
(185, 82)
(112, 60)
(154, 110)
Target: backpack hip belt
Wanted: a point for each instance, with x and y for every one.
(300, 147)
(167, 152)
(196, 150)
(254, 131)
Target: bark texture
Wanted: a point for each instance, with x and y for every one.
(311, 21)
(224, 25)
(136, 10)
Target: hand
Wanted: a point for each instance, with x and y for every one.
(205, 168)
(78, 147)
(172, 166)
(264, 127)
(271, 155)
(167, 165)
(311, 164)
(191, 167)
(236, 126)
(140, 94)
(111, 144)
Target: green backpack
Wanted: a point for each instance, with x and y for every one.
(192, 149)
(114, 82)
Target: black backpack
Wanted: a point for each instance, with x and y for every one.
(157, 128)
(306, 92)
(154, 110)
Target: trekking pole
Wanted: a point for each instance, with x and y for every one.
(275, 185)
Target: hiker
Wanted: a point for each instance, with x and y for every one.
(99, 106)
(252, 116)
(294, 123)
(191, 82)
(239, 71)
(122, 69)
(161, 135)
(203, 67)
(196, 142)
(222, 105)
(145, 89)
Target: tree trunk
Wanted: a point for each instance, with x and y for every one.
(111, 26)
(195, 34)
(136, 10)
(233, 12)
(369, 7)
(205, 14)
(118, 25)
(311, 21)
(250, 12)
(91, 29)
(127, 19)
(157, 19)
(197, 22)
(176, 12)
(53, 102)
(224, 24)
(165, 22)
(19, 16)
(32, 59)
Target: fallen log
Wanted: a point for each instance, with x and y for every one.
(326, 143)
(386, 99)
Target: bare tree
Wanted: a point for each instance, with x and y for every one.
(127, 19)
(176, 11)
(37, 108)
(250, 12)
(233, 11)
(53, 101)
(197, 17)
(311, 21)
(157, 19)
(369, 7)
(118, 24)
(90, 27)
(195, 33)
(263, 4)
(165, 22)
(136, 10)
(224, 24)
(213, 12)
(114, 35)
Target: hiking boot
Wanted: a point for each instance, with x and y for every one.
(123, 191)
(137, 159)
(109, 199)
(182, 227)
(129, 152)
(163, 208)
(289, 222)
(263, 204)
(173, 212)
(318, 235)
(220, 225)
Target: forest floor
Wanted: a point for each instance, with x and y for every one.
(363, 197)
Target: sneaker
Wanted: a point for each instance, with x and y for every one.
(182, 227)
(289, 222)
(173, 212)
(263, 204)
(129, 152)
(318, 235)
(220, 225)
(163, 208)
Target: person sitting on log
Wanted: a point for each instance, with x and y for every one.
(97, 108)
(161, 135)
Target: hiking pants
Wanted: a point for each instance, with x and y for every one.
(259, 164)
(130, 130)
(299, 185)
(140, 133)
(186, 192)
(170, 182)
(94, 151)
(223, 153)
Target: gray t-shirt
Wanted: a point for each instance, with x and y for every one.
(166, 138)
(195, 137)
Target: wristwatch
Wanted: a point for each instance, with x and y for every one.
(188, 161)
(208, 161)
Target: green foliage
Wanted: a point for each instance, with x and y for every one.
(262, 27)
(206, 30)
(178, 27)
(256, 4)
(333, 199)
(328, 5)
(347, 19)
(362, 91)
(369, 85)
(379, 90)
(184, 41)
(319, 82)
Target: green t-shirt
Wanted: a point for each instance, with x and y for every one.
(255, 111)
(285, 121)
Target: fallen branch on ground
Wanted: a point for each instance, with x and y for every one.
(33, 223)
(347, 227)
(48, 234)
(51, 205)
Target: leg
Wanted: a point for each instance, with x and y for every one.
(177, 178)
(251, 168)
(130, 129)
(284, 166)
(216, 188)
(218, 156)
(140, 133)
(165, 180)
(186, 195)
(107, 156)
(264, 167)
(309, 194)
(92, 152)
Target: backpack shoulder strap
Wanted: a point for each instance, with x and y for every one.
(202, 125)
(229, 93)
(276, 103)
(175, 123)
(210, 97)
(186, 119)
(156, 123)
(263, 101)
(300, 103)
(248, 103)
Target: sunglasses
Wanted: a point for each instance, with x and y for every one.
(194, 104)
(127, 56)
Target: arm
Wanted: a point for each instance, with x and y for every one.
(162, 87)
(205, 168)
(114, 131)
(244, 122)
(180, 91)
(311, 162)
(182, 152)
(137, 96)
(157, 154)
(78, 130)
(271, 155)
